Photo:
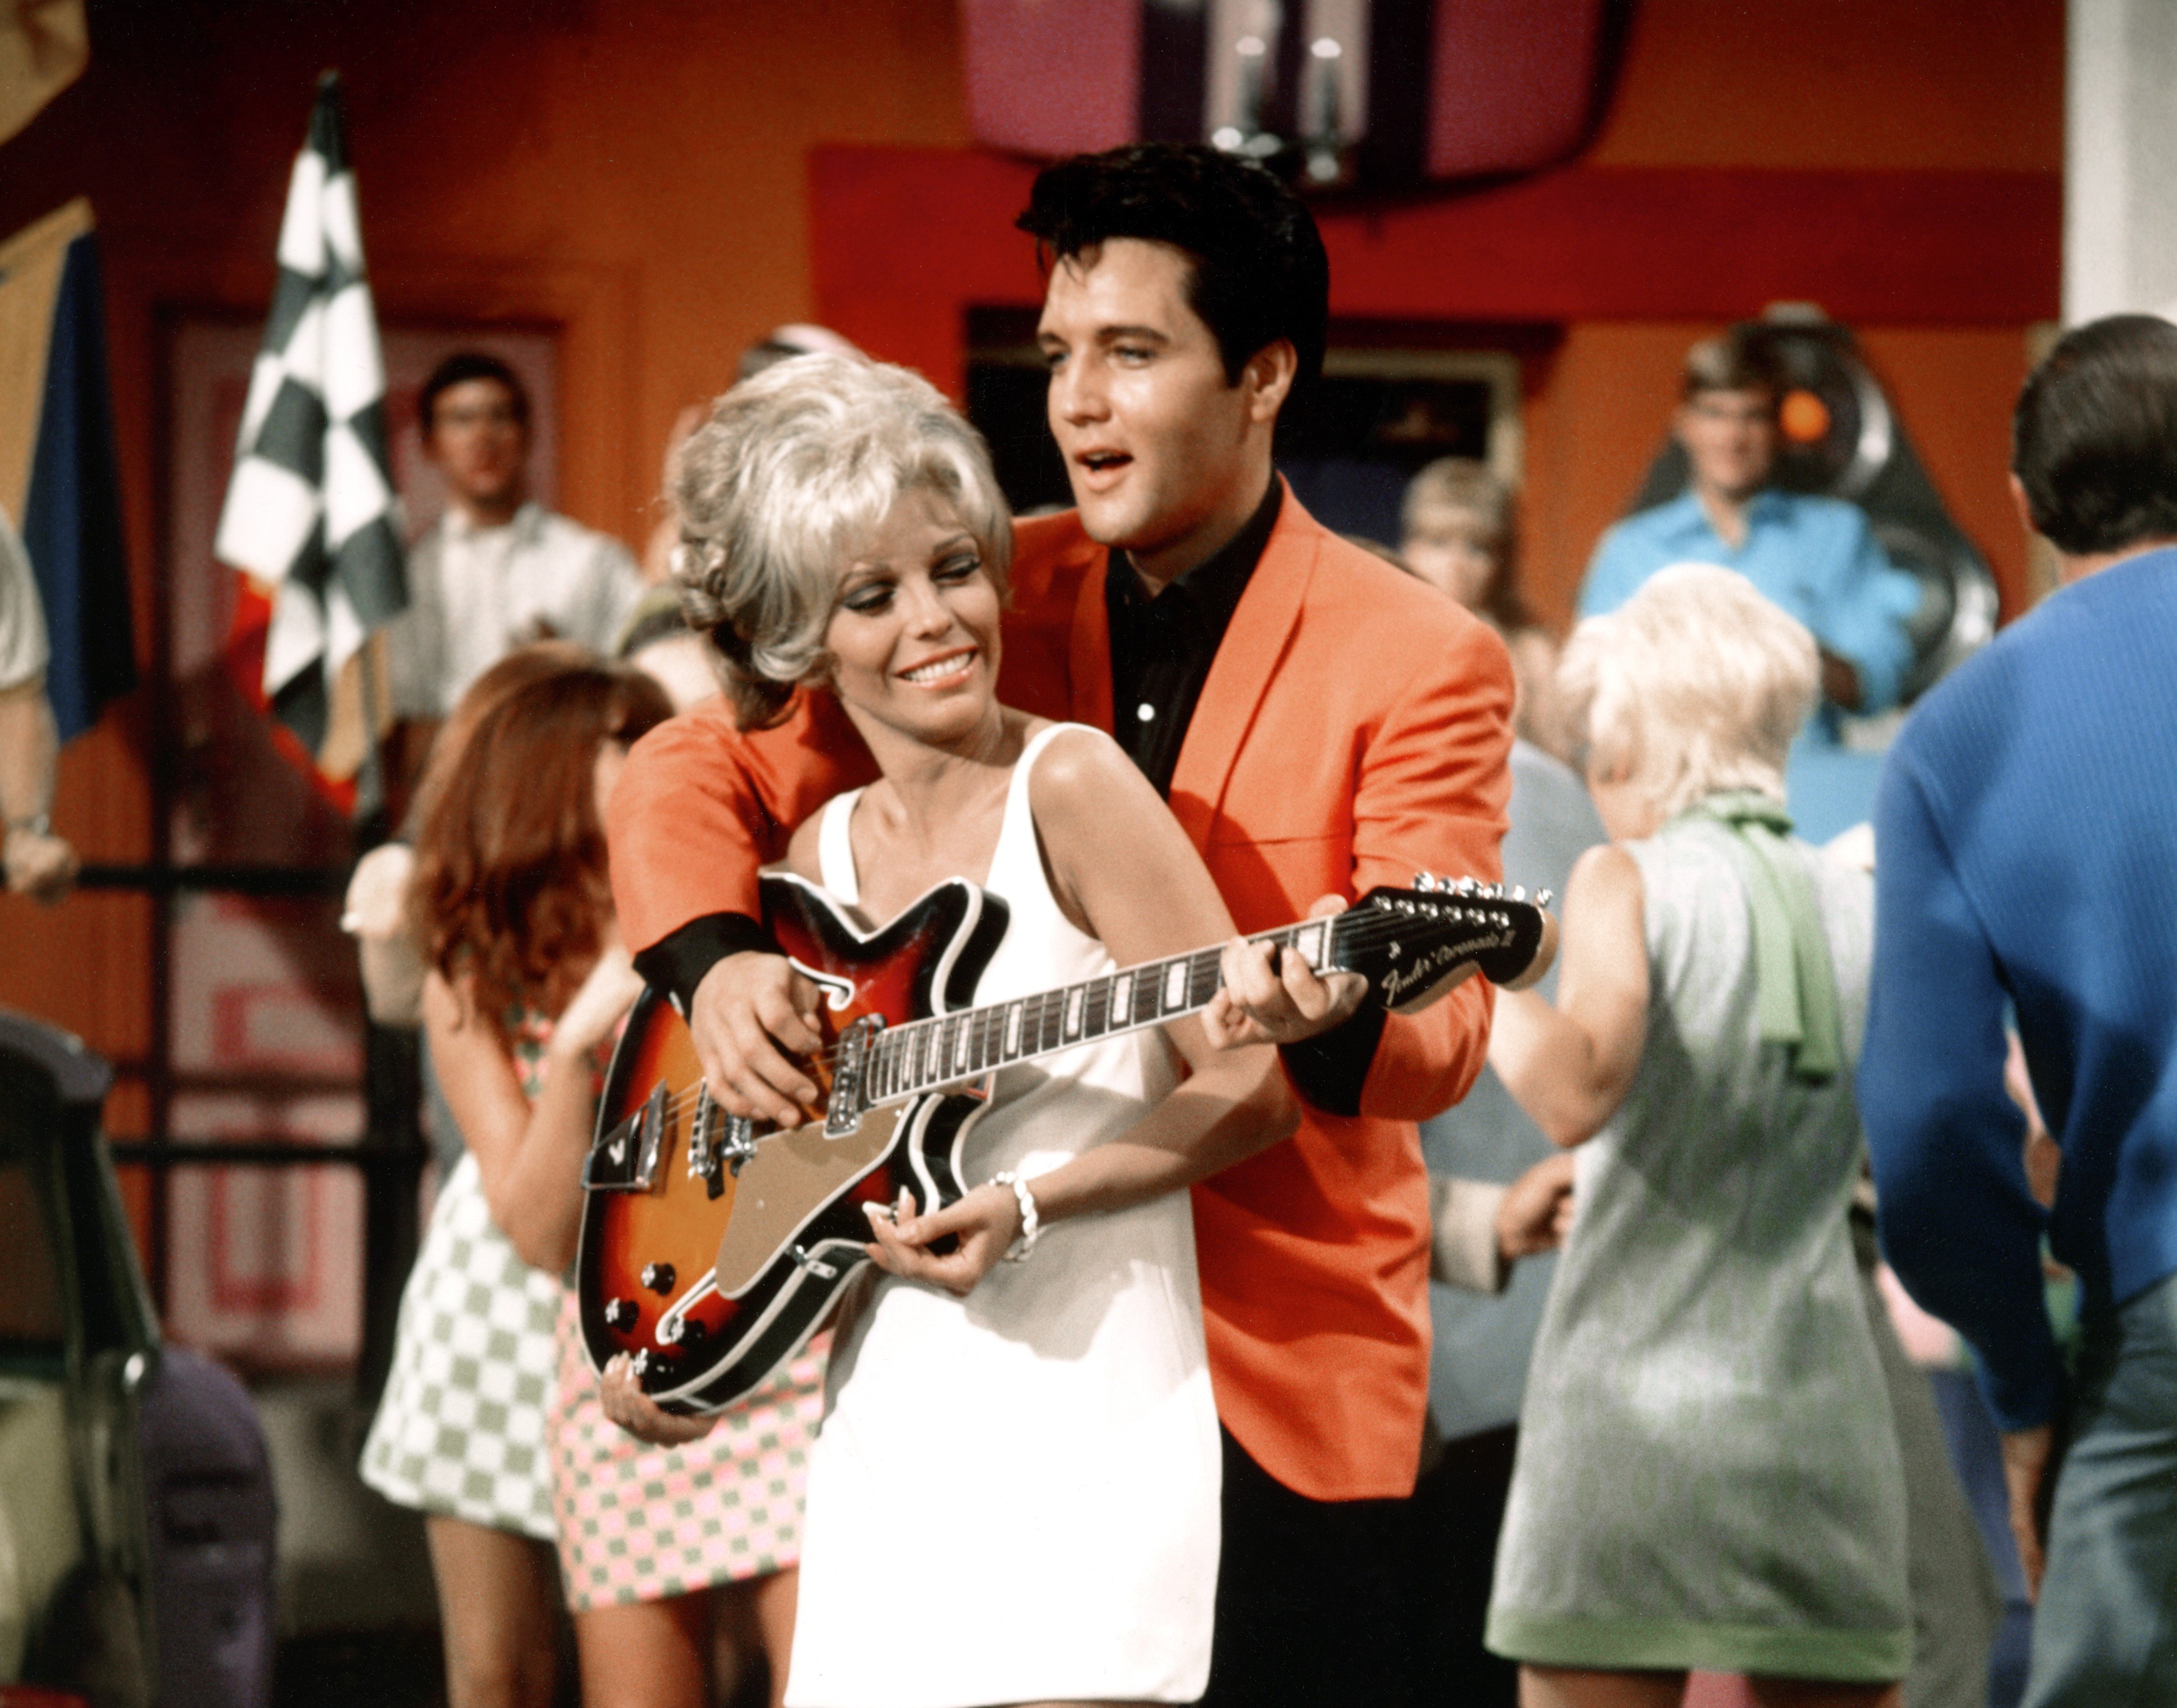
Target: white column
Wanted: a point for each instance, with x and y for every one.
(2120, 159)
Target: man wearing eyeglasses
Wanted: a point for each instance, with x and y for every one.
(497, 570)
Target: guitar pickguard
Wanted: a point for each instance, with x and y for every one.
(793, 1176)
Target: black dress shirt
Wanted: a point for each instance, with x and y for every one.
(1162, 647)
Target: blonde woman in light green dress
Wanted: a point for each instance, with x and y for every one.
(1708, 1473)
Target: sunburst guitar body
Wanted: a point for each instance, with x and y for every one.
(713, 1247)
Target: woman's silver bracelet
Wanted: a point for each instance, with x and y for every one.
(1030, 1227)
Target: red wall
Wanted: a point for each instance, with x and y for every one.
(638, 173)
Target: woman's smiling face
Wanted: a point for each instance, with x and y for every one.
(914, 635)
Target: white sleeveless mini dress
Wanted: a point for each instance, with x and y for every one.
(1014, 1496)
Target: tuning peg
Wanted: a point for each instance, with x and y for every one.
(1519, 893)
(1427, 883)
(1543, 898)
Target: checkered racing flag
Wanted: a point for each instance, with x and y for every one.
(311, 511)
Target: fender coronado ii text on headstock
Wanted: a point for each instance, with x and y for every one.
(713, 1247)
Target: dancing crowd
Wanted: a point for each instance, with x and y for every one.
(1177, 1401)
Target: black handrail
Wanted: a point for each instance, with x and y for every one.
(229, 879)
(225, 1153)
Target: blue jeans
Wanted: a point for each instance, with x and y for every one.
(2105, 1632)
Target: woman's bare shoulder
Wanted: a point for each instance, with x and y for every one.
(1082, 772)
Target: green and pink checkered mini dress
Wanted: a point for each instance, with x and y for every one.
(639, 1523)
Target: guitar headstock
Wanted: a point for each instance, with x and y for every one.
(1413, 944)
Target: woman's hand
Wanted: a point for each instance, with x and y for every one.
(1537, 1210)
(639, 1415)
(377, 903)
(986, 1222)
(596, 1009)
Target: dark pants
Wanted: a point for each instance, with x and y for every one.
(1312, 1598)
(1457, 1510)
(2106, 1628)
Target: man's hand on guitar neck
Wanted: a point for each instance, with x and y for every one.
(749, 1012)
(1271, 998)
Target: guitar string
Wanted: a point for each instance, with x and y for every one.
(1361, 933)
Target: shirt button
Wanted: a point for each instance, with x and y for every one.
(1145, 712)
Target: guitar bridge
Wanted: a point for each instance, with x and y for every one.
(626, 1160)
(842, 1114)
(716, 1140)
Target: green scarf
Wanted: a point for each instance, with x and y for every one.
(1797, 984)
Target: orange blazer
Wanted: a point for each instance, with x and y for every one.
(1354, 730)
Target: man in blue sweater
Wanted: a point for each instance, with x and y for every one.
(2026, 858)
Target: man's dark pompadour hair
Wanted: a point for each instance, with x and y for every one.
(1260, 272)
(464, 365)
(2094, 438)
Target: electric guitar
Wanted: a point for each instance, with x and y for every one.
(713, 1247)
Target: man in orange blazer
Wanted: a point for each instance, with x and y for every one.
(1320, 724)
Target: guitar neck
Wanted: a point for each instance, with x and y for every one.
(907, 1060)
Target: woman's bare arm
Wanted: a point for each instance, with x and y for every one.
(1571, 1065)
(1121, 866)
(529, 1155)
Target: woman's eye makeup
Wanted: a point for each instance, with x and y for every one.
(866, 598)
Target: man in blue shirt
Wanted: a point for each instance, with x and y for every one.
(2026, 837)
(1814, 556)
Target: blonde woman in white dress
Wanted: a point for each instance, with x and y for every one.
(1014, 1497)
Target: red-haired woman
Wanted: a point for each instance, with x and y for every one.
(527, 985)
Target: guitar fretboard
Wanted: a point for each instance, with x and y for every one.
(909, 1059)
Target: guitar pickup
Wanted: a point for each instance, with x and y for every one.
(626, 1160)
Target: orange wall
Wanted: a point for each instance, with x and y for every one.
(634, 170)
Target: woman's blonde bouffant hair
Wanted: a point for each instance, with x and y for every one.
(1696, 684)
(774, 493)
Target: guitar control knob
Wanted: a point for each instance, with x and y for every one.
(657, 1277)
(680, 1331)
(620, 1314)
